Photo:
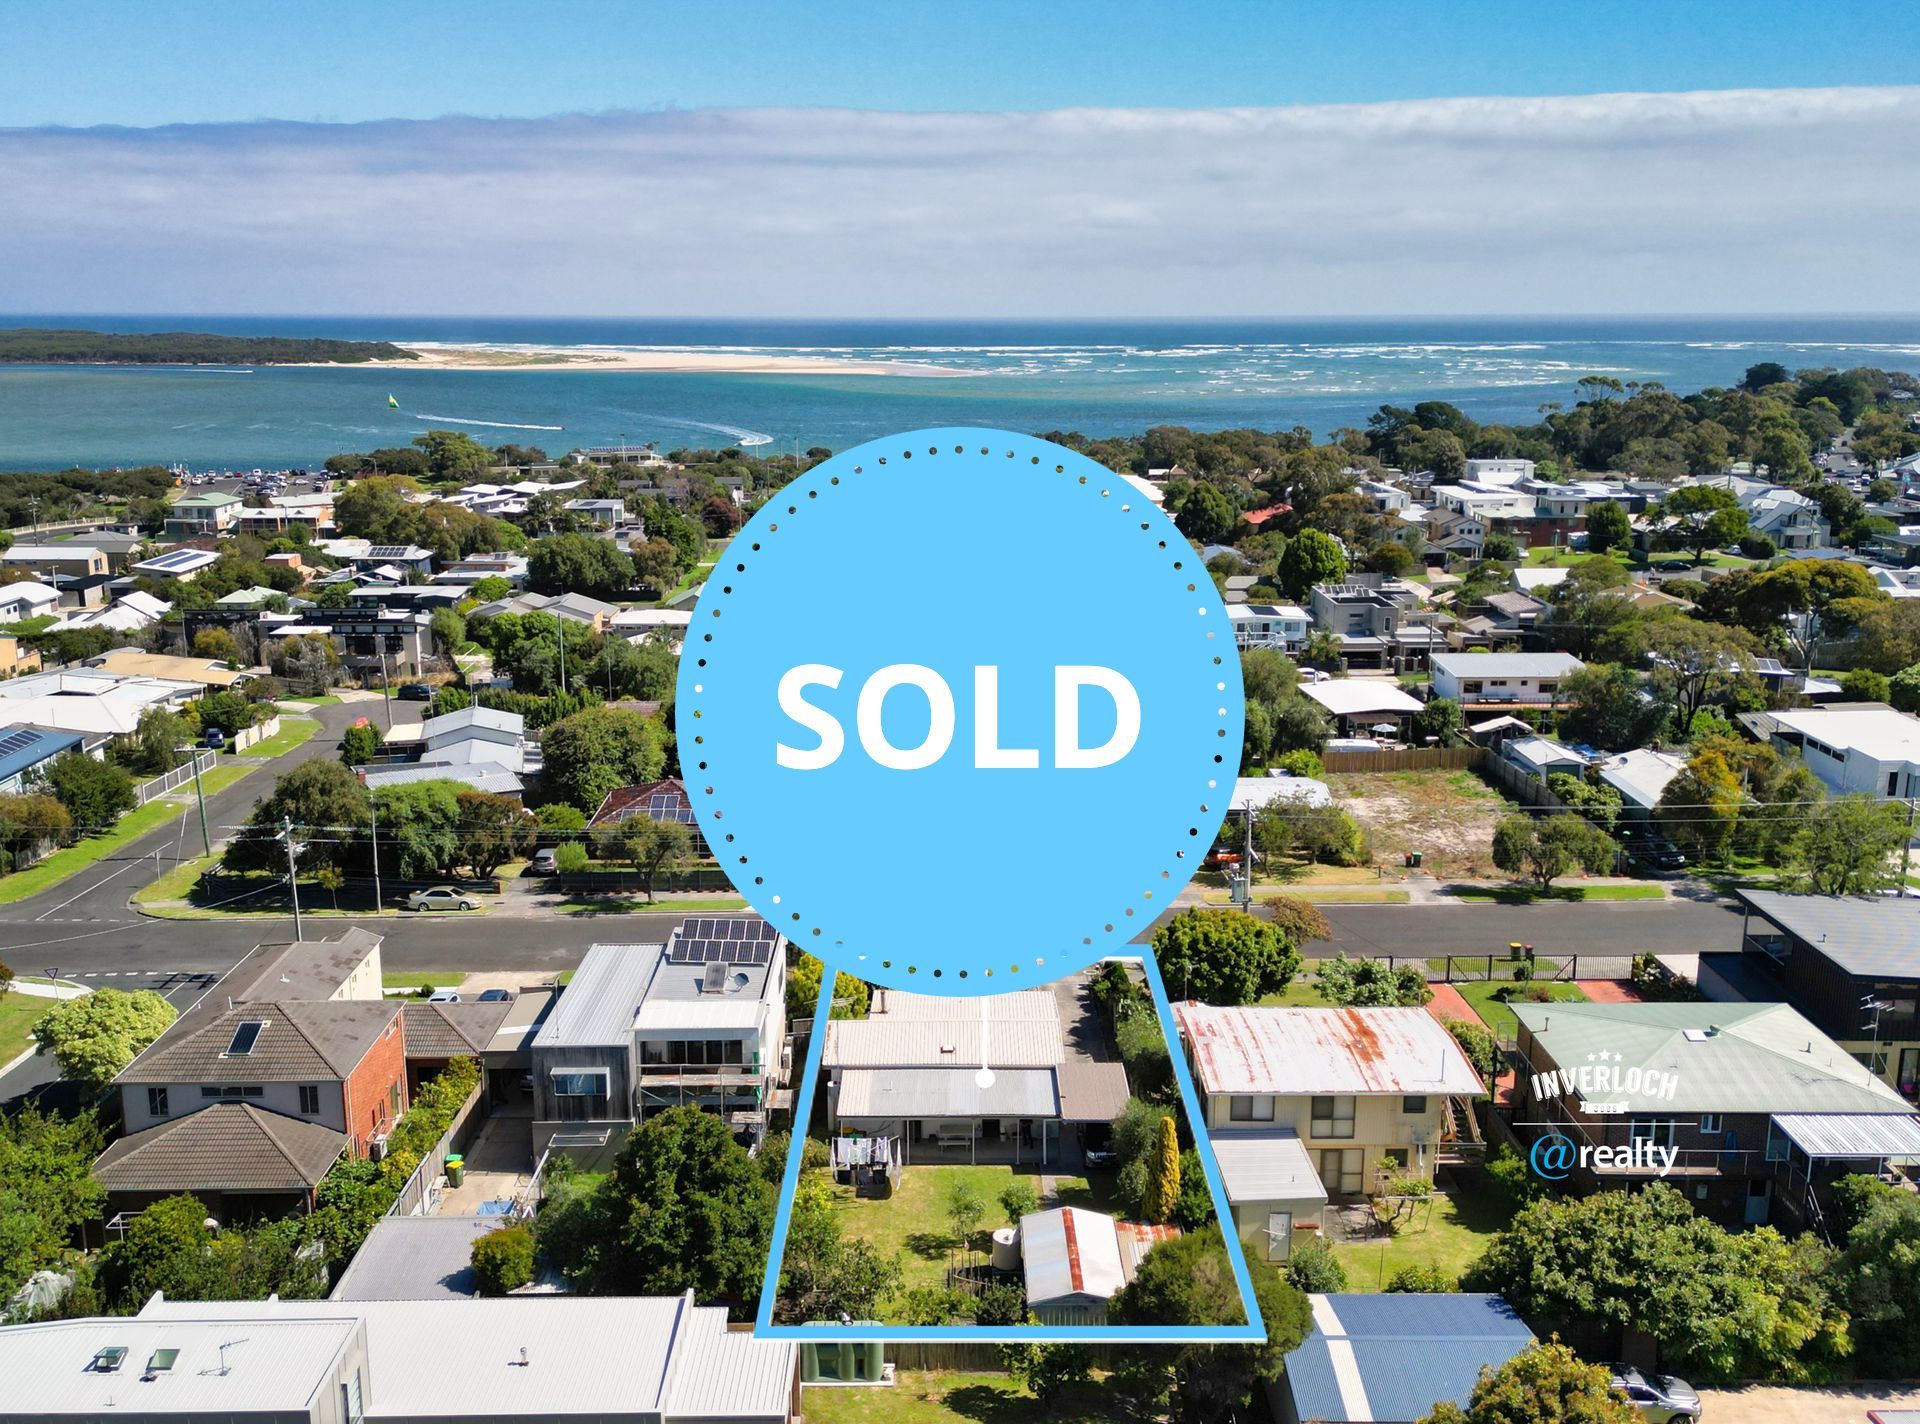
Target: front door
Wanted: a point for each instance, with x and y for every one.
(1759, 1197)
(1340, 1168)
(1910, 1072)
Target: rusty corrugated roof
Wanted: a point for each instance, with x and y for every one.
(1330, 1051)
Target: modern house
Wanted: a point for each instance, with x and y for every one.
(1302, 1102)
(1380, 622)
(697, 1021)
(1503, 679)
(524, 1359)
(368, 640)
(313, 512)
(908, 1075)
(1393, 1357)
(1867, 748)
(1747, 1108)
(1270, 625)
(364, 556)
(473, 568)
(1361, 706)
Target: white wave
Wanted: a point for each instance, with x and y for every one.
(491, 424)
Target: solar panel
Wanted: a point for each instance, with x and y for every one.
(736, 939)
(389, 551)
(243, 1038)
(17, 742)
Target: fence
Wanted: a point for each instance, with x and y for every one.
(416, 1196)
(179, 776)
(1527, 790)
(1499, 966)
(1405, 759)
(258, 732)
(981, 1359)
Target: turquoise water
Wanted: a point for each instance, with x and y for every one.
(1098, 378)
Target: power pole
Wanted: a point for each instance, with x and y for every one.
(386, 688)
(206, 840)
(373, 809)
(1906, 846)
(293, 872)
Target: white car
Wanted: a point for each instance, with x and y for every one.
(441, 897)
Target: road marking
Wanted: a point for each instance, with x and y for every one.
(91, 888)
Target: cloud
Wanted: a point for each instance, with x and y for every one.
(1754, 201)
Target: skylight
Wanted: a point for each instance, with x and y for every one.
(160, 1362)
(109, 1359)
(244, 1038)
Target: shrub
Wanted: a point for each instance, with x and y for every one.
(1421, 1279)
(570, 858)
(503, 1260)
(1001, 1305)
(1314, 1268)
(1018, 1198)
(1476, 1040)
(1510, 1179)
(773, 1155)
(1300, 762)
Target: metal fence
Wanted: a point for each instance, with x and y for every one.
(174, 779)
(1505, 967)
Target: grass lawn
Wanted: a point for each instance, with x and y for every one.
(62, 863)
(221, 777)
(177, 883)
(1527, 895)
(913, 1221)
(949, 1396)
(293, 731)
(330, 700)
(1451, 1238)
(715, 904)
(18, 1014)
(446, 979)
(1303, 992)
(1497, 1016)
(1355, 895)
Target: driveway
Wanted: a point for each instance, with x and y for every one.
(1761, 1404)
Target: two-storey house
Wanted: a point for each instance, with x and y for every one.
(1270, 625)
(1503, 679)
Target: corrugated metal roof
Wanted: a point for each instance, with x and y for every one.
(1025, 1006)
(1852, 1134)
(1069, 1252)
(1395, 1356)
(1484, 665)
(1266, 1164)
(933, 1043)
(598, 1004)
(717, 1373)
(1350, 696)
(1290, 1051)
(946, 1092)
(1863, 935)
(1724, 1058)
(716, 1012)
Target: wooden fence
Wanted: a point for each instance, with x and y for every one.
(465, 1126)
(1522, 787)
(1405, 759)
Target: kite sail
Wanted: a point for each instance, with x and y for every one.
(392, 402)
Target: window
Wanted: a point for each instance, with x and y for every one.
(156, 1102)
(393, 1098)
(1250, 1109)
(580, 1094)
(309, 1100)
(244, 1037)
(1658, 1131)
(1340, 1168)
(233, 1090)
(1279, 1235)
(1709, 1122)
(351, 1405)
(1333, 1117)
(1470, 686)
(1414, 1105)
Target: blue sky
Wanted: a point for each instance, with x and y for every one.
(80, 62)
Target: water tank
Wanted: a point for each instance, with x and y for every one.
(1006, 1249)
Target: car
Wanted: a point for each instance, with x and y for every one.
(443, 996)
(495, 996)
(545, 861)
(1658, 853)
(414, 692)
(214, 740)
(441, 897)
(1663, 1399)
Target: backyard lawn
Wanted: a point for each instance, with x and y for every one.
(947, 1396)
(1455, 1234)
(1497, 1016)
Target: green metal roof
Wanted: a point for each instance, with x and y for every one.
(1725, 1058)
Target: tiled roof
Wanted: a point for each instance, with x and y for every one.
(228, 1147)
(450, 1030)
(301, 1042)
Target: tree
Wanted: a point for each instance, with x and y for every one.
(1903, 689)
(1543, 1384)
(1545, 849)
(503, 1259)
(1709, 517)
(1691, 663)
(454, 455)
(94, 1037)
(28, 825)
(217, 644)
(1187, 1281)
(1017, 1199)
(1878, 1266)
(1595, 800)
(1301, 921)
(1608, 526)
(317, 793)
(1310, 558)
(1047, 1371)
(592, 752)
(1314, 1268)
(1223, 956)
(1846, 846)
(1163, 1175)
(651, 846)
(95, 793)
(1203, 513)
(578, 563)
(360, 745)
(1371, 983)
(493, 830)
(1499, 549)
(691, 1211)
(231, 712)
(1477, 1041)
(449, 630)
(1701, 805)
(47, 1189)
(154, 747)
(656, 563)
(1865, 685)
(308, 662)
(850, 995)
(420, 832)
(1439, 721)
(965, 1207)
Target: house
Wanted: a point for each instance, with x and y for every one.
(1075, 1261)
(210, 512)
(1361, 705)
(28, 599)
(118, 545)
(475, 776)
(16, 661)
(1302, 1102)
(1513, 612)
(523, 1359)
(207, 673)
(1748, 1109)
(1257, 793)
(1851, 964)
(663, 800)
(1499, 471)
(698, 1021)
(1541, 757)
(313, 512)
(1394, 1357)
(369, 640)
(1503, 679)
(473, 568)
(24, 751)
(83, 591)
(1270, 625)
(604, 512)
(1386, 498)
(1538, 581)
(64, 560)
(365, 557)
(181, 564)
(1641, 777)
(128, 613)
(1867, 748)
(1380, 622)
(91, 701)
(575, 607)
(909, 1074)
(476, 734)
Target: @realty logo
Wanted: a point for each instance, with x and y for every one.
(1554, 1155)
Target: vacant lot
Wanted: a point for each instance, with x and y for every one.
(1446, 815)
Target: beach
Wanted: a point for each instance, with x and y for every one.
(443, 357)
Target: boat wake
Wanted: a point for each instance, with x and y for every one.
(490, 424)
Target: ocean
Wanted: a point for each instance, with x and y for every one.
(1100, 378)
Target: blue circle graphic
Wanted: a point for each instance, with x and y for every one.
(907, 707)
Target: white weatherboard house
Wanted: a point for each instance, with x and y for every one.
(1507, 678)
(1270, 625)
(1874, 750)
(1300, 1103)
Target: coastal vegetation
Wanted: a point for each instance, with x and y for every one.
(50, 346)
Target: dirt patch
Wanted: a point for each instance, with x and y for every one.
(1448, 816)
(1763, 1404)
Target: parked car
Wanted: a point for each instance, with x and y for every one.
(1658, 853)
(415, 692)
(495, 996)
(215, 739)
(443, 996)
(1660, 1398)
(545, 861)
(441, 897)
